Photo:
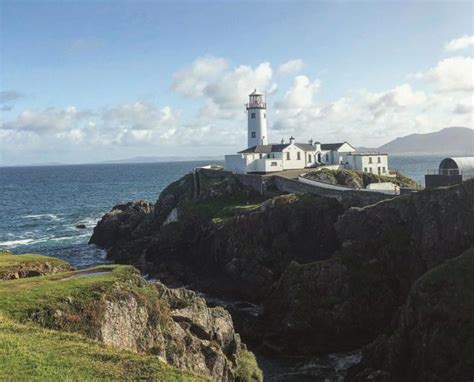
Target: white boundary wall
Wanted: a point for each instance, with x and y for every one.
(343, 188)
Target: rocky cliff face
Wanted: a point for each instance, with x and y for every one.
(329, 278)
(433, 339)
(226, 241)
(345, 301)
(117, 307)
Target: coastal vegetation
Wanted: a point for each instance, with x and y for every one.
(108, 323)
(357, 179)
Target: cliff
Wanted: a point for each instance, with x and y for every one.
(228, 240)
(344, 302)
(327, 277)
(433, 338)
(170, 329)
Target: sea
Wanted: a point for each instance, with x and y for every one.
(41, 208)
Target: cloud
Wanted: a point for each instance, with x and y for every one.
(451, 74)
(49, 120)
(233, 87)
(10, 95)
(8, 98)
(300, 95)
(218, 124)
(290, 67)
(460, 43)
(191, 81)
(463, 108)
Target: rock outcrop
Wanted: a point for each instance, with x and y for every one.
(228, 240)
(29, 265)
(357, 179)
(433, 338)
(115, 305)
(347, 300)
(330, 278)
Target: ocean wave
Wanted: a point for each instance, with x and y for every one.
(41, 216)
(12, 243)
(27, 242)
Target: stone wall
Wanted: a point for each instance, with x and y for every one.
(352, 198)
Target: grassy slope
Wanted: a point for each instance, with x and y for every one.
(29, 352)
(10, 263)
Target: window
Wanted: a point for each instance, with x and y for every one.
(365, 169)
(274, 164)
(378, 160)
(383, 170)
(370, 160)
(298, 155)
(287, 156)
(370, 170)
(261, 156)
(309, 158)
(327, 157)
(252, 115)
(254, 134)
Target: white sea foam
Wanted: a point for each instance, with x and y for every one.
(12, 243)
(41, 216)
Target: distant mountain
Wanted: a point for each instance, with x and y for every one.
(152, 159)
(448, 141)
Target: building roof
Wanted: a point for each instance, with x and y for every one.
(368, 153)
(331, 146)
(465, 165)
(306, 146)
(255, 92)
(264, 149)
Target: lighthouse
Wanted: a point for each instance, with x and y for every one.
(257, 119)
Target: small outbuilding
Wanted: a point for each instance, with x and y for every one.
(451, 171)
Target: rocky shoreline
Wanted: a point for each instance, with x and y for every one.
(326, 277)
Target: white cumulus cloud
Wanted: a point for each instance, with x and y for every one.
(452, 74)
(460, 43)
(290, 67)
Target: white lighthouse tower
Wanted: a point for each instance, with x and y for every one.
(257, 119)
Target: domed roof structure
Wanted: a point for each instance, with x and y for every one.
(458, 166)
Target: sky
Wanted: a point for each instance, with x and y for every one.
(85, 81)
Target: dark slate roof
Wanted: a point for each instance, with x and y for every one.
(265, 149)
(305, 146)
(331, 146)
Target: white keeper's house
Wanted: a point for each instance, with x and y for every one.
(262, 157)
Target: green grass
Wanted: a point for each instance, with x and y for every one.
(247, 368)
(31, 353)
(221, 208)
(75, 294)
(10, 264)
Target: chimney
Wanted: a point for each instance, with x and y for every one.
(311, 141)
(282, 141)
(292, 140)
